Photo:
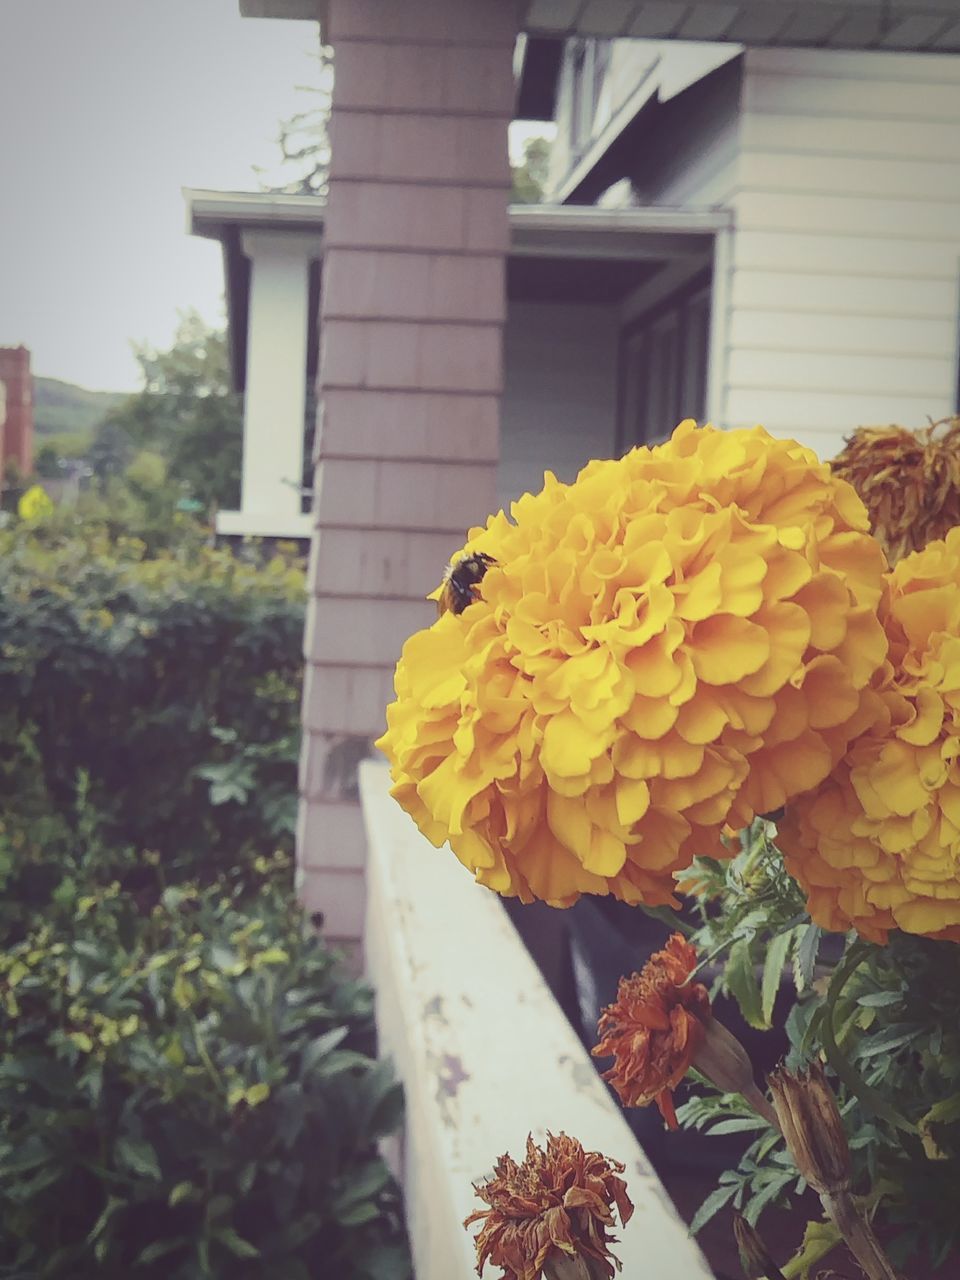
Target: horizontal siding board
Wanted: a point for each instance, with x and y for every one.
(805, 94)
(339, 896)
(827, 371)
(822, 331)
(412, 424)
(385, 354)
(393, 494)
(828, 410)
(822, 253)
(340, 700)
(371, 562)
(881, 177)
(380, 285)
(348, 631)
(846, 215)
(849, 135)
(922, 68)
(839, 295)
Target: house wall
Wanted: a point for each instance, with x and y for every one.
(560, 392)
(416, 236)
(845, 264)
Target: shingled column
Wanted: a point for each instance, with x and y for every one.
(412, 312)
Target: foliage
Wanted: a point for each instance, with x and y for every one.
(529, 177)
(185, 1082)
(886, 1018)
(171, 682)
(187, 412)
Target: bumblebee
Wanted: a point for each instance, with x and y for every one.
(461, 582)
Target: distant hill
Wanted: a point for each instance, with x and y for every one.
(60, 408)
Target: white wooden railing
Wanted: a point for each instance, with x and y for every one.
(484, 1052)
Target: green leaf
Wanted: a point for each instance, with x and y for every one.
(239, 1247)
(712, 1206)
(318, 1049)
(160, 1249)
(776, 957)
(138, 1156)
(182, 1191)
(742, 1124)
(358, 1215)
(805, 957)
(741, 980)
(112, 1205)
(818, 1239)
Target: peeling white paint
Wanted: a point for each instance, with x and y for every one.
(484, 1052)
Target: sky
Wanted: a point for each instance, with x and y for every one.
(108, 108)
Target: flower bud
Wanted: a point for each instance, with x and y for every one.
(810, 1119)
(754, 1256)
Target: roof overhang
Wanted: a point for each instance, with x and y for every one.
(920, 26)
(225, 216)
(558, 253)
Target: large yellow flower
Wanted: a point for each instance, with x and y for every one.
(877, 845)
(680, 639)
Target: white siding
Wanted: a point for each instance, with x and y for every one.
(843, 298)
(560, 392)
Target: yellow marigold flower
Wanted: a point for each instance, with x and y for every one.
(558, 1204)
(678, 640)
(877, 845)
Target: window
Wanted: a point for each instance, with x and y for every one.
(663, 367)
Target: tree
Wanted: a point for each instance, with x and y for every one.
(530, 176)
(187, 413)
(304, 139)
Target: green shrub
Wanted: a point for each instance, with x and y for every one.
(185, 1087)
(172, 683)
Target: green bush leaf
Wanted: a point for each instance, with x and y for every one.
(138, 1156)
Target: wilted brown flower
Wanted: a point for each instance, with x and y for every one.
(556, 1205)
(654, 1028)
(812, 1128)
(909, 482)
(660, 1025)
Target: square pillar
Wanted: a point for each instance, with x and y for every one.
(412, 312)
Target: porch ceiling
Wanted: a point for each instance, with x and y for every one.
(558, 253)
(917, 25)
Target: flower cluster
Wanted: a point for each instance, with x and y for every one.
(877, 845)
(677, 641)
(654, 1029)
(557, 1204)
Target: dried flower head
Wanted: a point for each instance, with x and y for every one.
(812, 1128)
(877, 845)
(654, 1028)
(557, 1204)
(909, 482)
(678, 640)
